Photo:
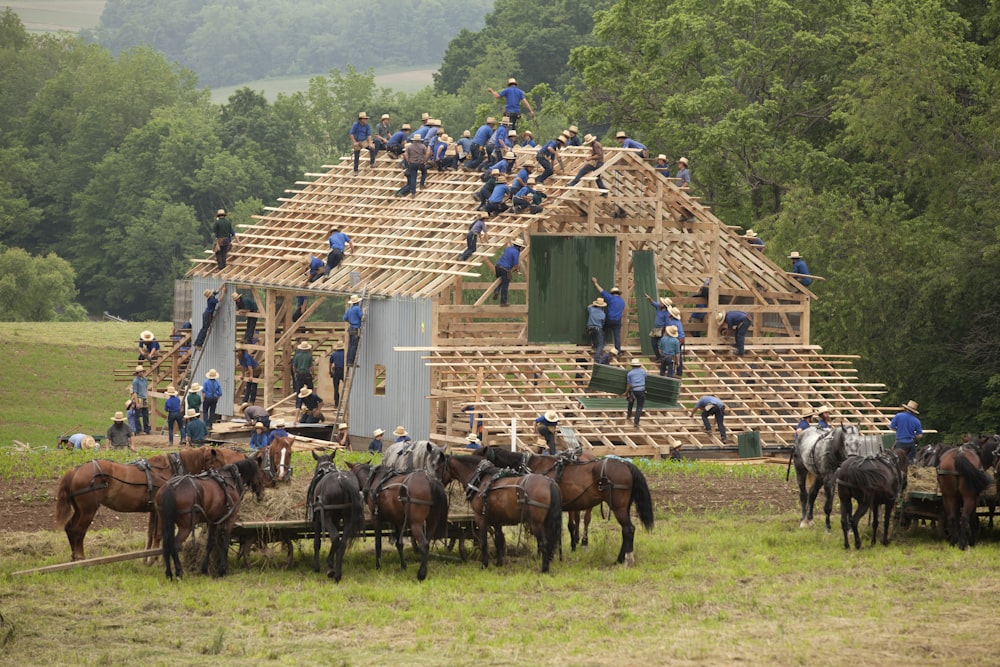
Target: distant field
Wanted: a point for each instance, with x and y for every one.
(406, 81)
(56, 15)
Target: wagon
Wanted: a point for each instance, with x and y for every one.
(922, 500)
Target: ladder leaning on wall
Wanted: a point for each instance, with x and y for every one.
(343, 410)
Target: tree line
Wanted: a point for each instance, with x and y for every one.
(862, 133)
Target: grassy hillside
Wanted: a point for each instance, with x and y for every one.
(57, 378)
(405, 81)
(56, 15)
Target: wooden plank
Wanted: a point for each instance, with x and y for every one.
(87, 562)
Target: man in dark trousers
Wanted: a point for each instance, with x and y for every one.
(244, 305)
(211, 303)
(224, 237)
(337, 370)
(635, 390)
(302, 363)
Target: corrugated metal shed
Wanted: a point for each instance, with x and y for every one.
(390, 323)
(560, 289)
(219, 352)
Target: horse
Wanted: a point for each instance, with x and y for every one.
(872, 481)
(961, 480)
(337, 507)
(819, 452)
(212, 497)
(586, 483)
(276, 461)
(413, 499)
(420, 454)
(123, 487)
(499, 500)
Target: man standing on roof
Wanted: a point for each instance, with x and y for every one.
(361, 137)
(594, 162)
(479, 141)
(616, 310)
(662, 166)
(675, 321)
(513, 98)
(635, 390)
(211, 304)
(908, 429)
(355, 317)
(224, 237)
(547, 153)
(340, 243)
(302, 363)
(140, 397)
(337, 370)
(625, 142)
(670, 351)
(416, 157)
(476, 230)
(595, 324)
(800, 269)
(505, 266)
(711, 405)
(737, 323)
(245, 305)
(660, 321)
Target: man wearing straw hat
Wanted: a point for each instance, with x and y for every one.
(193, 399)
(119, 434)
(546, 425)
(635, 390)
(476, 231)
(175, 415)
(472, 442)
(547, 153)
(415, 156)
(505, 266)
(479, 141)
(197, 431)
(382, 132)
(211, 392)
(397, 142)
(250, 370)
(224, 237)
(737, 323)
(616, 310)
(211, 303)
(908, 429)
(401, 434)
(675, 321)
(149, 347)
(245, 304)
(595, 324)
(670, 351)
(278, 431)
(337, 370)
(340, 243)
(311, 411)
(361, 137)
(302, 363)
(258, 439)
(754, 241)
(375, 446)
(711, 405)
(625, 142)
(662, 166)
(513, 98)
(572, 136)
(140, 397)
(594, 162)
(823, 417)
(683, 174)
(355, 318)
(800, 269)
(343, 438)
(660, 320)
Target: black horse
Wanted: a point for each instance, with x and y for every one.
(873, 482)
(334, 499)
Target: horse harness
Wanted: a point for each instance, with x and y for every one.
(271, 471)
(321, 472)
(403, 486)
(485, 472)
(141, 464)
(236, 481)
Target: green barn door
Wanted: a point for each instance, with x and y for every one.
(559, 289)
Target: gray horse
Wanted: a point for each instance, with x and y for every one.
(819, 452)
(419, 455)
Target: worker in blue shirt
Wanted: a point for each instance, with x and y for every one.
(140, 398)
(497, 203)
(670, 352)
(737, 323)
(528, 140)
(476, 229)
(572, 138)
(464, 146)
(754, 241)
(505, 266)
(505, 164)
(908, 429)
(354, 316)
(316, 268)
(375, 446)
(175, 415)
(251, 369)
(675, 321)
(524, 198)
(521, 179)
(660, 321)
(398, 141)
(823, 417)
(278, 431)
(361, 137)
(547, 153)
(662, 165)
(211, 303)
(339, 244)
(635, 390)
(623, 140)
(711, 405)
(424, 128)
(149, 347)
(595, 324)
(489, 182)
(616, 310)
(258, 439)
(513, 98)
(337, 370)
(804, 423)
(800, 269)
(545, 426)
(479, 141)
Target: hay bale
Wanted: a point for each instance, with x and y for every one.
(285, 502)
(922, 480)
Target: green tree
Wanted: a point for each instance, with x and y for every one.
(36, 289)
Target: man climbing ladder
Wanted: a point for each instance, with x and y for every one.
(355, 318)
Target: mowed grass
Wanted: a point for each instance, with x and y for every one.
(401, 80)
(715, 589)
(56, 15)
(57, 377)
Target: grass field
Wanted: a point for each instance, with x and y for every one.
(406, 81)
(56, 377)
(56, 15)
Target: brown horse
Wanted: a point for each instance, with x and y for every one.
(961, 480)
(213, 498)
(500, 500)
(587, 483)
(873, 482)
(123, 487)
(276, 461)
(414, 499)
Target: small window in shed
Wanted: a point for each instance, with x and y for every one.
(379, 380)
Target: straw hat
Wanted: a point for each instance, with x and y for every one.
(258, 425)
(720, 316)
(794, 255)
(672, 331)
(666, 301)
(512, 133)
(338, 345)
(600, 302)
(434, 122)
(243, 406)
(140, 369)
(620, 135)
(304, 345)
(494, 172)
(637, 362)
(212, 374)
(563, 138)
(518, 242)
(304, 392)
(661, 156)
(236, 296)
(528, 133)
(674, 311)
(823, 409)
(362, 116)
(511, 81)
(750, 234)
(615, 290)
(551, 416)
(466, 134)
(191, 413)
(613, 352)
(194, 388)
(208, 293)
(119, 417)
(588, 139)
(354, 299)
(424, 116)
(490, 120)
(472, 437)
(146, 336)
(509, 155)
(683, 160)
(221, 213)
(378, 433)
(171, 391)
(417, 137)
(500, 178)
(531, 180)
(88, 442)
(573, 129)
(911, 406)
(400, 431)
(385, 116)
(278, 423)
(341, 426)
(505, 121)
(406, 126)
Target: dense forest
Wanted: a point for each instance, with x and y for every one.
(862, 133)
(227, 43)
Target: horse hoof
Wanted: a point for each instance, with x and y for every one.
(629, 559)
(803, 524)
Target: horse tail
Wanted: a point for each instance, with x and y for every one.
(553, 521)
(168, 521)
(65, 505)
(356, 511)
(437, 521)
(972, 474)
(641, 497)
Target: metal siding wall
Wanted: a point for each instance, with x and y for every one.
(560, 290)
(393, 323)
(220, 347)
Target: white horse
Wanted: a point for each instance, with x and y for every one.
(418, 455)
(819, 452)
